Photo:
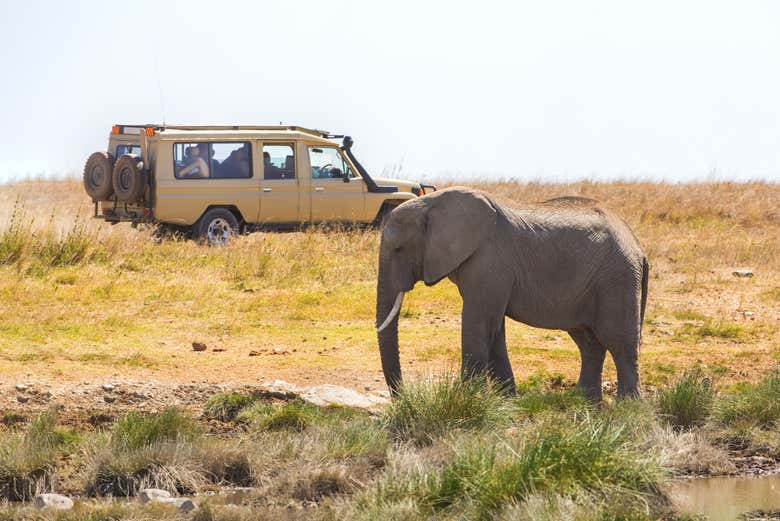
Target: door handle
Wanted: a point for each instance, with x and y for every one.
(319, 188)
(266, 189)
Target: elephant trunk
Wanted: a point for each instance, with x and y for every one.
(388, 304)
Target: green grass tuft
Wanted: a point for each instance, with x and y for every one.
(427, 409)
(534, 402)
(485, 475)
(295, 416)
(687, 403)
(28, 459)
(226, 406)
(755, 404)
(136, 430)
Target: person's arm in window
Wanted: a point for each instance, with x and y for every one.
(197, 164)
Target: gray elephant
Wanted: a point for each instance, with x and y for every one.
(563, 264)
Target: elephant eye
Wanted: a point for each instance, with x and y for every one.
(397, 249)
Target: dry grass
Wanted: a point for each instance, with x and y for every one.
(127, 305)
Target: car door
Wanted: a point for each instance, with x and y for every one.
(337, 193)
(280, 184)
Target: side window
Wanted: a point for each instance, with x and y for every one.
(191, 160)
(328, 163)
(231, 160)
(278, 162)
(212, 160)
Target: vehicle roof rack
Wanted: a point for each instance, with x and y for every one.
(295, 128)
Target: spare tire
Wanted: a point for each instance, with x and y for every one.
(129, 178)
(98, 176)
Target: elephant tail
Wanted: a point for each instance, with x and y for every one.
(645, 276)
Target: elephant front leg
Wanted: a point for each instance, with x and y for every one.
(478, 330)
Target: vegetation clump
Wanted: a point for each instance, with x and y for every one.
(28, 459)
(754, 403)
(427, 409)
(688, 402)
(294, 416)
(225, 407)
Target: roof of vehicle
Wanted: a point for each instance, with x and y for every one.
(209, 131)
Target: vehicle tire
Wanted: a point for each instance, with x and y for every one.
(129, 179)
(217, 226)
(98, 176)
(383, 214)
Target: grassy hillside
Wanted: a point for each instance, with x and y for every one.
(80, 298)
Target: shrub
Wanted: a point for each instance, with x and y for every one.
(295, 415)
(687, 403)
(357, 438)
(136, 430)
(558, 456)
(123, 471)
(316, 484)
(430, 408)
(752, 404)
(535, 401)
(226, 406)
(15, 239)
(28, 459)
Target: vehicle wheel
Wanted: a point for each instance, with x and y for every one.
(129, 179)
(98, 176)
(383, 214)
(217, 226)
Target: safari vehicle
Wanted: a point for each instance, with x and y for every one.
(215, 181)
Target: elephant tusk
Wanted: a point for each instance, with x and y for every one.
(393, 312)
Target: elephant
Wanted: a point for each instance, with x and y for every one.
(565, 264)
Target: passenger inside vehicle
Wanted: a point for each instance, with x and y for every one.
(196, 166)
(237, 164)
(278, 162)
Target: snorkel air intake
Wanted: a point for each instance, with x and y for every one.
(346, 146)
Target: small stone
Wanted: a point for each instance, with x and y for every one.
(21, 387)
(52, 502)
(108, 388)
(280, 350)
(198, 346)
(255, 353)
(109, 399)
(742, 273)
(152, 495)
(219, 350)
(186, 506)
(22, 399)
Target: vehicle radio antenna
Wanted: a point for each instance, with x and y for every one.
(159, 88)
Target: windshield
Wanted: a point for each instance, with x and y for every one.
(328, 163)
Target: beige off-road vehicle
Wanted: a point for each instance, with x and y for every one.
(215, 181)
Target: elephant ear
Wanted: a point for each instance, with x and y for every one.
(458, 221)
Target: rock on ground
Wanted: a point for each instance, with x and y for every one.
(53, 502)
(153, 495)
(328, 395)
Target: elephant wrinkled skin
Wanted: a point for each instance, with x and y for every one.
(563, 264)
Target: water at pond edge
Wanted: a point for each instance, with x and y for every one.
(724, 498)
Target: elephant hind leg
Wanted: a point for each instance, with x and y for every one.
(592, 353)
(499, 367)
(624, 348)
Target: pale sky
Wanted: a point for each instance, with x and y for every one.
(553, 90)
